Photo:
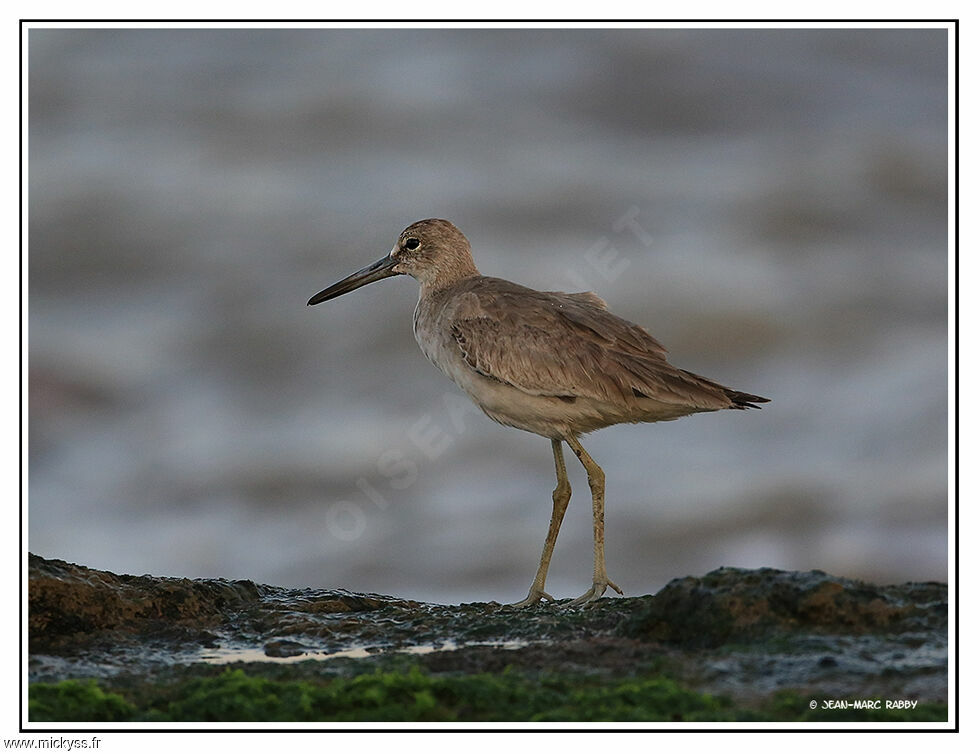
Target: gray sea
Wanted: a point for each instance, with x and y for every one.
(771, 204)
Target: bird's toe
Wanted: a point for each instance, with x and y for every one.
(597, 590)
(534, 597)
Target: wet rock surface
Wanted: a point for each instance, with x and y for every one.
(732, 604)
(745, 633)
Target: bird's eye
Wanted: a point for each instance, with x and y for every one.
(412, 243)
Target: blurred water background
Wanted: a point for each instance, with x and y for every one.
(770, 204)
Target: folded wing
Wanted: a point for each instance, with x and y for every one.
(570, 346)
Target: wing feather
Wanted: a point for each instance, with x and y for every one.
(569, 345)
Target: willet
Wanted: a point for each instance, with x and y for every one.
(555, 364)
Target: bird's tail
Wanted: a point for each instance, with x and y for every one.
(744, 400)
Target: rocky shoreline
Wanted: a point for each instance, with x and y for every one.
(742, 644)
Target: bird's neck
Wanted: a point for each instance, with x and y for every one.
(442, 276)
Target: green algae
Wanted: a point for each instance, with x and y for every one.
(71, 701)
(411, 695)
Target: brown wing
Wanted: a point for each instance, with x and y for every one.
(569, 345)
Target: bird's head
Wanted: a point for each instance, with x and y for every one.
(434, 252)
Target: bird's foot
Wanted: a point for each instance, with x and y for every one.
(534, 596)
(597, 590)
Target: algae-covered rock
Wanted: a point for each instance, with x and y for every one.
(734, 604)
(68, 603)
(70, 606)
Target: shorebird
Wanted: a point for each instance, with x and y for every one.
(559, 365)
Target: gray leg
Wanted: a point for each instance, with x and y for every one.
(560, 498)
(597, 483)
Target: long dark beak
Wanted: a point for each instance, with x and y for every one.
(377, 271)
